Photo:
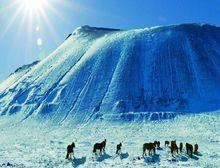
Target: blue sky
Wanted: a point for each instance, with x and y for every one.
(26, 36)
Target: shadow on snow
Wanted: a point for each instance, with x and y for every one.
(78, 161)
(152, 159)
(103, 157)
(124, 155)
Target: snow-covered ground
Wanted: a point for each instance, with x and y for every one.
(107, 83)
(41, 145)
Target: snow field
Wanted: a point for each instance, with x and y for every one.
(38, 145)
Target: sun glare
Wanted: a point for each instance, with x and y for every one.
(33, 16)
(32, 5)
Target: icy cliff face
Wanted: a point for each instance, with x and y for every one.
(99, 72)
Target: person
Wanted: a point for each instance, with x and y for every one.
(70, 153)
(118, 150)
(196, 147)
(181, 147)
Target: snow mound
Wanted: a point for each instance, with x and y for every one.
(101, 73)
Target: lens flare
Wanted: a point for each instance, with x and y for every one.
(33, 5)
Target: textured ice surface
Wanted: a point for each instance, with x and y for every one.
(120, 75)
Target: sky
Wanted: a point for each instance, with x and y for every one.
(31, 29)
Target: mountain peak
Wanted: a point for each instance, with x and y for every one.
(88, 30)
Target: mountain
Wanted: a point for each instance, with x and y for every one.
(101, 73)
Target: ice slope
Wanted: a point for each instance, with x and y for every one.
(117, 74)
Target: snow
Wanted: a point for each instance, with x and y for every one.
(31, 144)
(129, 86)
(102, 72)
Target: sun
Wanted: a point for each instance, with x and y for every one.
(33, 18)
(32, 5)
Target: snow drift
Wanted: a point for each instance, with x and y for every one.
(111, 73)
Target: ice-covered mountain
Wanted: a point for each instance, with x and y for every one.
(111, 73)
